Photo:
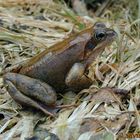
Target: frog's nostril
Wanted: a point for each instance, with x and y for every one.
(112, 33)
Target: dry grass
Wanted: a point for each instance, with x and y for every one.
(28, 27)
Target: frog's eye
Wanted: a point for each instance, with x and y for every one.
(100, 35)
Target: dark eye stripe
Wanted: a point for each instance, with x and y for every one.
(90, 46)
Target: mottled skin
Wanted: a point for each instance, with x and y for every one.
(62, 67)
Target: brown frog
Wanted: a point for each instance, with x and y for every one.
(58, 69)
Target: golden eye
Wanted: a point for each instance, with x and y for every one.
(100, 35)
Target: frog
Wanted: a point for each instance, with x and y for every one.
(63, 67)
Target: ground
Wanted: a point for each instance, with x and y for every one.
(29, 27)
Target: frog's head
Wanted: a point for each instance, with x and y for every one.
(101, 38)
(102, 34)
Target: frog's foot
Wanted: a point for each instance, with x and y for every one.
(29, 91)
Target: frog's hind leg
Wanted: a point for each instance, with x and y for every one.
(28, 91)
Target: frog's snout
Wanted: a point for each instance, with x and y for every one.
(111, 34)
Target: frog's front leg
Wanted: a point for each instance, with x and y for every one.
(29, 91)
(76, 78)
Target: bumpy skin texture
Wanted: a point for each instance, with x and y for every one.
(63, 67)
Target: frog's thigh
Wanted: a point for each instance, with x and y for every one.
(29, 87)
(76, 77)
(25, 100)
